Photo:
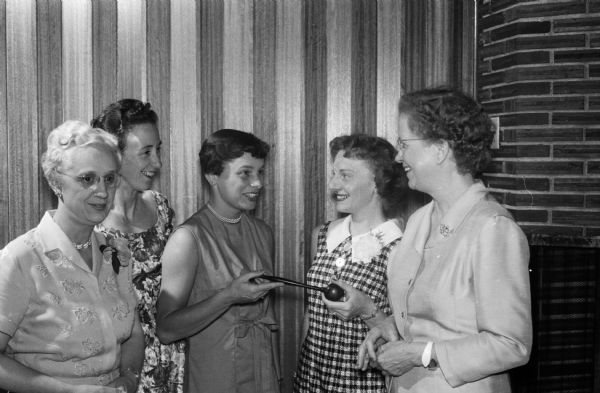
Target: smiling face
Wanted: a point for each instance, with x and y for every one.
(417, 155)
(352, 185)
(238, 187)
(141, 158)
(83, 204)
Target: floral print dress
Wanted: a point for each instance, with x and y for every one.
(163, 364)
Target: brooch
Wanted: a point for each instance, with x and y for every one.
(445, 230)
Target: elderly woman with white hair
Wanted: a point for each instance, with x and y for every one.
(67, 306)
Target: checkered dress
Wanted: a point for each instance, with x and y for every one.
(329, 353)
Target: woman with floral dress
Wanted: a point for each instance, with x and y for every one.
(143, 217)
(353, 251)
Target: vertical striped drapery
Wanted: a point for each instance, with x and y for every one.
(294, 72)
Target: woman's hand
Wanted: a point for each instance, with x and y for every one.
(247, 288)
(384, 332)
(397, 358)
(126, 383)
(354, 303)
(95, 389)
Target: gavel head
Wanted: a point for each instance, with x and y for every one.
(334, 292)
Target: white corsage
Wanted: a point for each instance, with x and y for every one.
(340, 262)
(367, 247)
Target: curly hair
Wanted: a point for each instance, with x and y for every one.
(119, 117)
(390, 179)
(226, 145)
(69, 135)
(451, 115)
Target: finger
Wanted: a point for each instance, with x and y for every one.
(371, 350)
(368, 361)
(250, 275)
(260, 280)
(360, 361)
(266, 287)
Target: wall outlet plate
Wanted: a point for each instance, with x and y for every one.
(496, 141)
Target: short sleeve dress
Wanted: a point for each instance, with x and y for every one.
(329, 352)
(163, 364)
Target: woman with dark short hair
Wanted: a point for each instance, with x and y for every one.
(212, 293)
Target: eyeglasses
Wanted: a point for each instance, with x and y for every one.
(88, 180)
(402, 145)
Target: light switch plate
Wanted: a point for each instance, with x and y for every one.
(496, 141)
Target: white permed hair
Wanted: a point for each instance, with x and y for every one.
(71, 134)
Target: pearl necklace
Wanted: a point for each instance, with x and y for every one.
(224, 219)
(83, 246)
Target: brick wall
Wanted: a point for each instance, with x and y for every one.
(539, 72)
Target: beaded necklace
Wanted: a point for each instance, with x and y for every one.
(226, 220)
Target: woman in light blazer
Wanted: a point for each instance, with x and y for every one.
(459, 282)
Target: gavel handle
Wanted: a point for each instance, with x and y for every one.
(290, 282)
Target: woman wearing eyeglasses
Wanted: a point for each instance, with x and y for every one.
(143, 218)
(68, 320)
(458, 283)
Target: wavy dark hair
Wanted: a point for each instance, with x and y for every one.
(451, 115)
(226, 145)
(390, 179)
(119, 117)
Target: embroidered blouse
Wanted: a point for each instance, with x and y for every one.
(64, 320)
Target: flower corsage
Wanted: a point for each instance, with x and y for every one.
(367, 247)
(117, 252)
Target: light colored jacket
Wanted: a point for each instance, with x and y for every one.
(468, 293)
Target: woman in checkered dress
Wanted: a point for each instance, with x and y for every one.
(353, 252)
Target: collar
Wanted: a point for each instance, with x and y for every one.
(52, 237)
(339, 231)
(457, 213)
(419, 224)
